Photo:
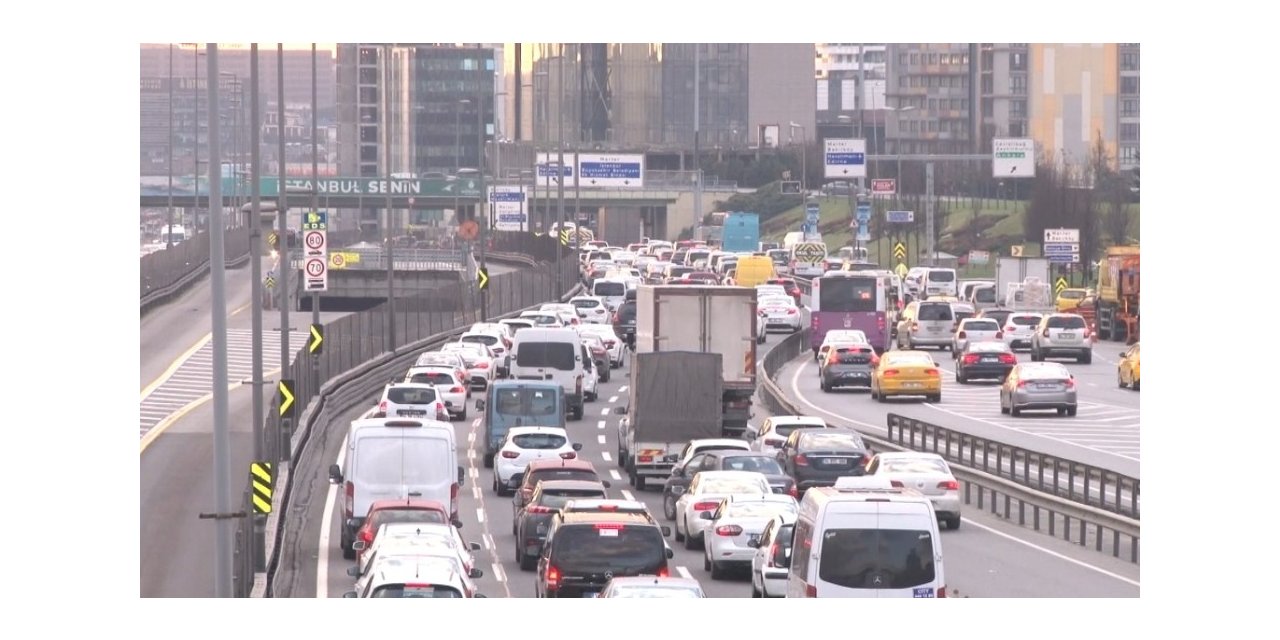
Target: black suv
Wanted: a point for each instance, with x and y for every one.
(533, 519)
(624, 320)
(817, 457)
(583, 551)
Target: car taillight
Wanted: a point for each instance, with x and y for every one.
(1010, 328)
(801, 461)
(942, 592)
(482, 365)
(791, 312)
(793, 492)
(664, 572)
(949, 485)
(931, 372)
(453, 500)
(538, 509)
(510, 455)
(810, 591)
(896, 484)
(970, 358)
(382, 407)
(457, 390)
(729, 530)
(1071, 383)
(568, 455)
(350, 498)
(553, 577)
(366, 535)
(1046, 332)
(705, 505)
(961, 335)
(889, 373)
(1022, 384)
(999, 334)
(1007, 358)
(915, 326)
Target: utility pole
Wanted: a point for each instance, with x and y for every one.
(928, 212)
(697, 150)
(168, 236)
(282, 235)
(560, 169)
(223, 519)
(386, 158)
(315, 182)
(255, 262)
(481, 218)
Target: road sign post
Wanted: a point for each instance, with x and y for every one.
(812, 217)
(1062, 246)
(845, 158)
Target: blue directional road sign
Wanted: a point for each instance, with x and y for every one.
(1063, 258)
(845, 158)
(864, 213)
(1061, 248)
(611, 170)
(811, 212)
(899, 217)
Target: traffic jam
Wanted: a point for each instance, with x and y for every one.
(784, 506)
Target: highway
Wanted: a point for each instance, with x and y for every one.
(176, 431)
(984, 558)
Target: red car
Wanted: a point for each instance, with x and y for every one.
(790, 285)
(385, 511)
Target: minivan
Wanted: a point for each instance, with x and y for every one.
(927, 323)
(753, 270)
(612, 291)
(866, 539)
(517, 403)
(940, 282)
(554, 355)
(396, 459)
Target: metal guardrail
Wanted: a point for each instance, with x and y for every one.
(169, 271)
(1004, 498)
(354, 364)
(1075, 481)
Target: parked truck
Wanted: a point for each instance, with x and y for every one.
(674, 398)
(1016, 270)
(1119, 294)
(706, 319)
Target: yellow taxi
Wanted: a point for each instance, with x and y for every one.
(1129, 371)
(1069, 299)
(906, 373)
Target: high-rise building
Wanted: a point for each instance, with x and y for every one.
(234, 60)
(1130, 105)
(850, 83)
(1075, 96)
(931, 91)
(190, 98)
(1002, 71)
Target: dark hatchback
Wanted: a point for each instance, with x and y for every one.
(583, 551)
(817, 457)
(849, 366)
(985, 360)
(533, 519)
(624, 320)
(723, 460)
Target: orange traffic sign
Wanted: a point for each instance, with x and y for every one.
(468, 230)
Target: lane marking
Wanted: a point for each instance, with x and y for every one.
(613, 399)
(488, 543)
(604, 411)
(474, 473)
(606, 456)
(326, 518)
(471, 437)
(498, 573)
(475, 491)
(480, 516)
(613, 473)
(182, 359)
(684, 573)
(600, 424)
(627, 494)
(600, 438)
(1054, 553)
(622, 389)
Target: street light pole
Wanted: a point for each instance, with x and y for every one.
(282, 238)
(255, 262)
(482, 219)
(315, 183)
(386, 158)
(560, 168)
(169, 234)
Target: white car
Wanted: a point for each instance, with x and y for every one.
(771, 435)
(975, 330)
(449, 386)
(494, 327)
(766, 290)
(443, 359)
(599, 355)
(705, 493)
(591, 309)
(614, 344)
(416, 576)
(397, 538)
(514, 325)
(591, 377)
(524, 445)
(772, 560)
(412, 400)
(1019, 327)
(927, 473)
(735, 525)
(482, 365)
(544, 319)
(499, 345)
(779, 312)
(567, 313)
(839, 336)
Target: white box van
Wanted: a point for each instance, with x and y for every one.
(862, 540)
(396, 459)
(552, 354)
(939, 282)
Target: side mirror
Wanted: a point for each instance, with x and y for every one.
(605, 483)
(475, 546)
(456, 522)
(705, 515)
(349, 594)
(335, 474)
(674, 457)
(677, 472)
(754, 544)
(476, 573)
(480, 595)
(577, 446)
(479, 405)
(666, 531)
(670, 554)
(462, 477)
(352, 523)
(359, 545)
(354, 572)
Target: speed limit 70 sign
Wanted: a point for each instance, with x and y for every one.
(315, 267)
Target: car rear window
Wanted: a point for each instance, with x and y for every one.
(757, 509)
(985, 294)
(759, 464)
(1026, 321)
(998, 316)
(432, 378)
(1072, 295)
(914, 465)
(786, 429)
(401, 395)
(557, 498)
(609, 289)
(855, 355)
(627, 312)
(876, 558)
(555, 355)
(486, 340)
(982, 325)
(415, 591)
(1045, 373)
(732, 485)
(385, 516)
(539, 441)
(830, 440)
(1066, 322)
(586, 304)
(562, 474)
(443, 359)
(941, 276)
(935, 312)
(628, 549)
(989, 347)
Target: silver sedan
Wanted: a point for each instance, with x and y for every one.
(1038, 385)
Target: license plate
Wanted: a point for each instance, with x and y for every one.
(1067, 336)
(1047, 387)
(855, 374)
(836, 462)
(991, 359)
(410, 413)
(912, 385)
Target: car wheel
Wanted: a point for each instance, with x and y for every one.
(669, 507)
(1062, 411)
(959, 378)
(953, 523)
(717, 572)
(1071, 411)
(1119, 379)
(640, 480)
(1136, 385)
(488, 460)
(1087, 358)
(755, 592)
(1014, 411)
(825, 386)
(689, 542)
(631, 476)
(528, 563)
(937, 397)
(679, 536)
(706, 563)
(347, 552)
(463, 415)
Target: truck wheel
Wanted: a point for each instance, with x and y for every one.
(631, 476)
(640, 480)
(1086, 358)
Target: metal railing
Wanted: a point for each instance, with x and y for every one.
(168, 271)
(1076, 521)
(355, 361)
(1075, 481)
(407, 259)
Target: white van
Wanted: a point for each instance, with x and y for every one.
(939, 282)
(613, 291)
(552, 354)
(865, 540)
(396, 459)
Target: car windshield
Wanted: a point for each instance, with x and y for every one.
(539, 441)
(1066, 322)
(981, 325)
(624, 549)
(402, 395)
(525, 402)
(759, 464)
(913, 465)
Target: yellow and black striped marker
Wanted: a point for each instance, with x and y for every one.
(260, 478)
(564, 237)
